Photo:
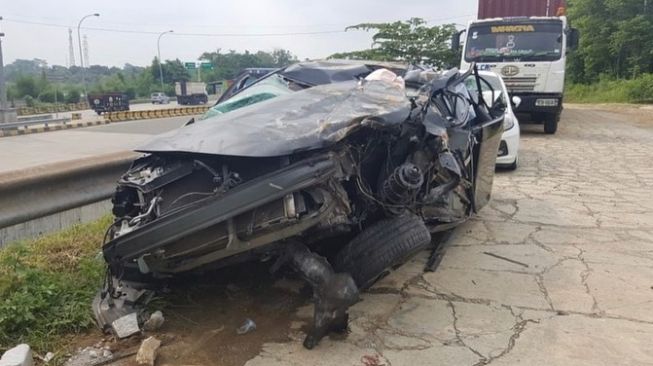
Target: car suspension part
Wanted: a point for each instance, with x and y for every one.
(333, 293)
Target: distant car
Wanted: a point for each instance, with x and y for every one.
(508, 154)
(159, 98)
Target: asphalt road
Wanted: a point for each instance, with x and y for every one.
(27, 151)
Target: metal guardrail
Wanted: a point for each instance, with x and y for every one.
(37, 192)
(41, 117)
(46, 122)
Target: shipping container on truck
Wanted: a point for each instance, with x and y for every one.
(526, 42)
(191, 92)
(520, 8)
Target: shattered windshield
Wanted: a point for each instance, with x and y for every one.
(268, 88)
(525, 42)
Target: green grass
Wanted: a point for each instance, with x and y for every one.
(638, 90)
(47, 284)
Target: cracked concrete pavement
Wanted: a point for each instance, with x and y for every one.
(557, 270)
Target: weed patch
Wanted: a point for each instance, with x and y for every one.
(638, 90)
(47, 284)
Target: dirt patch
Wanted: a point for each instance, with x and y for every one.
(635, 114)
(203, 312)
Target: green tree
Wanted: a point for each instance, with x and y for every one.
(48, 95)
(26, 85)
(410, 41)
(73, 95)
(226, 65)
(615, 39)
(173, 71)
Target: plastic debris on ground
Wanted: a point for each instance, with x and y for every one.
(247, 327)
(155, 322)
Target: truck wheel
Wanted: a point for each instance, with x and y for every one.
(551, 123)
(381, 247)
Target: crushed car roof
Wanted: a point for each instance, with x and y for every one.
(308, 119)
(332, 71)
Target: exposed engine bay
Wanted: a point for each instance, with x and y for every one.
(278, 177)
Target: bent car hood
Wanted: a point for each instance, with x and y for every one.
(309, 119)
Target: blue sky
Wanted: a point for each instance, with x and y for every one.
(26, 39)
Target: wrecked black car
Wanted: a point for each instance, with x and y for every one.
(370, 159)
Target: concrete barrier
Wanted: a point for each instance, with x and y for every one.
(153, 114)
(108, 118)
(22, 111)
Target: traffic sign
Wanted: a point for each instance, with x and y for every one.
(190, 65)
(207, 65)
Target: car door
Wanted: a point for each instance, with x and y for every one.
(488, 137)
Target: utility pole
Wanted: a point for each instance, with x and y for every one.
(85, 47)
(81, 54)
(6, 114)
(158, 51)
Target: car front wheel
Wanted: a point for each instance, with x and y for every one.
(382, 247)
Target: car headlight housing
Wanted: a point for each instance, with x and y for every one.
(508, 123)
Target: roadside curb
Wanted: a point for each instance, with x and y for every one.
(59, 127)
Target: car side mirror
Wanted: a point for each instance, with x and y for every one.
(455, 41)
(190, 122)
(573, 38)
(516, 101)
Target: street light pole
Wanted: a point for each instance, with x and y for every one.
(158, 50)
(3, 89)
(6, 114)
(81, 55)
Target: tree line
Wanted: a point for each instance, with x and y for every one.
(36, 81)
(616, 39)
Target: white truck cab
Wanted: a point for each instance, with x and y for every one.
(530, 54)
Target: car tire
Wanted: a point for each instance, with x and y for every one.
(381, 247)
(551, 123)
